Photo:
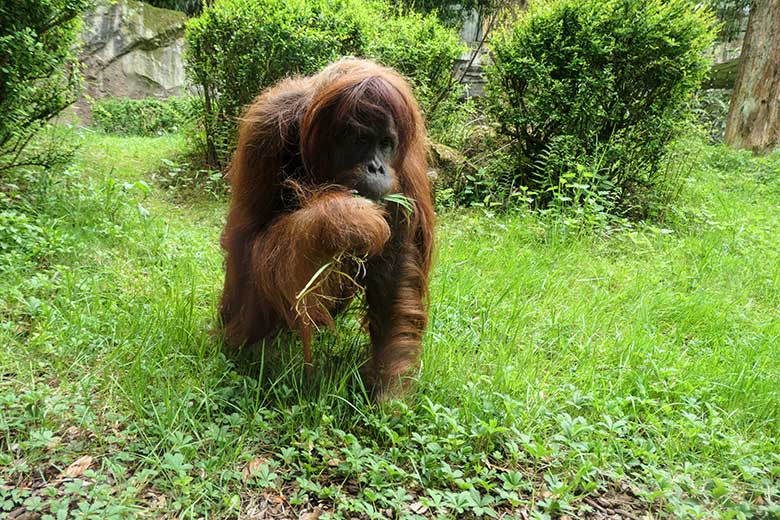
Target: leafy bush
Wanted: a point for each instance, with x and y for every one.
(145, 117)
(38, 74)
(599, 84)
(239, 47)
(424, 51)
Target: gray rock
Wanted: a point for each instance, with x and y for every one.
(132, 49)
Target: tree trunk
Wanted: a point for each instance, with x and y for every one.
(211, 150)
(754, 114)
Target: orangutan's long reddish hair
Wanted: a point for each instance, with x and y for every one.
(299, 243)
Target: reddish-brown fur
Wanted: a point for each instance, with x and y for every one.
(289, 216)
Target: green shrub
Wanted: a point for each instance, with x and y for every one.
(239, 47)
(144, 117)
(38, 74)
(424, 51)
(599, 84)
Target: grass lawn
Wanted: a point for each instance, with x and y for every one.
(566, 373)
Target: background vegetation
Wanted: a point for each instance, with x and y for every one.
(592, 93)
(145, 117)
(614, 366)
(38, 75)
(234, 52)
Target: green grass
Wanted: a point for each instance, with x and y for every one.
(565, 372)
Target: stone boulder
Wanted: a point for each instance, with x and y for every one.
(132, 49)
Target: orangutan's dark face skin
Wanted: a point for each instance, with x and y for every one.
(367, 158)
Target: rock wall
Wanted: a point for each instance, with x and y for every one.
(132, 49)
